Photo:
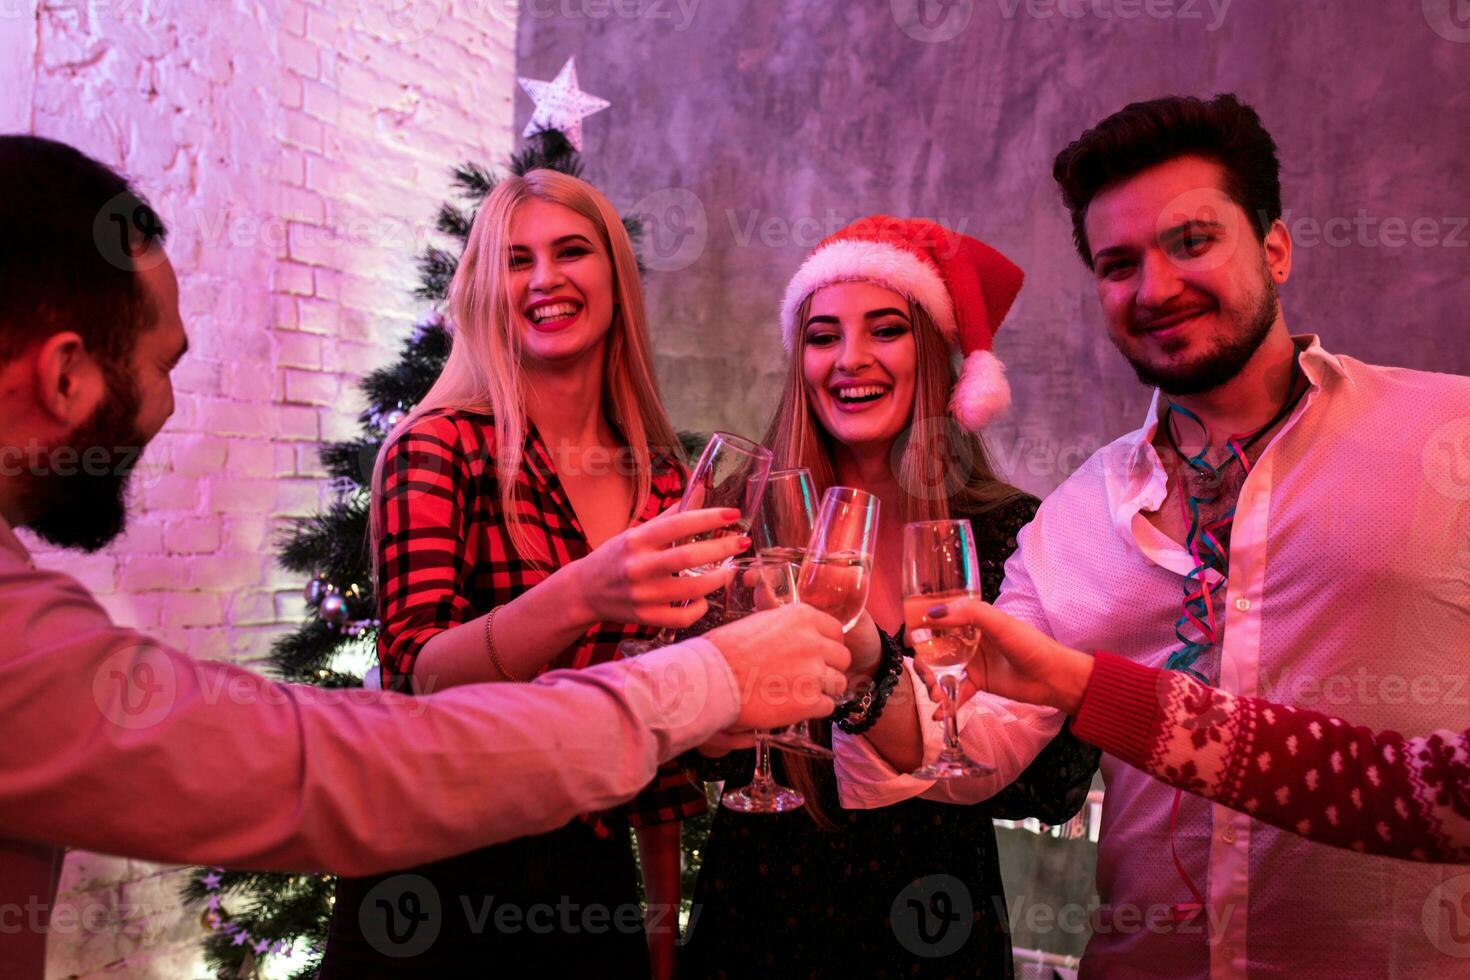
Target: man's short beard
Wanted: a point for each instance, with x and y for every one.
(1221, 364)
(85, 505)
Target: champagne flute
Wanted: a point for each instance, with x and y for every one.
(731, 472)
(783, 525)
(838, 565)
(758, 584)
(782, 531)
(835, 574)
(940, 565)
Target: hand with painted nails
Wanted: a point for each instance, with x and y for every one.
(641, 576)
(1015, 660)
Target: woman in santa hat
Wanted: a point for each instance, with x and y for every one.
(871, 322)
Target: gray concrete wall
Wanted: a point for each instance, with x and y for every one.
(747, 131)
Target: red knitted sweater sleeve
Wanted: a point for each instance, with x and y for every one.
(1299, 770)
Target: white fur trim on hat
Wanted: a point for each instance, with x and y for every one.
(855, 260)
(982, 394)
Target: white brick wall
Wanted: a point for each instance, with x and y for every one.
(299, 150)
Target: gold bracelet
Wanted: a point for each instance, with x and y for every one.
(490, 646)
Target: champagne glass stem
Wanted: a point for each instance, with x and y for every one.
(763, 794)
(951, 715)
(762, 781)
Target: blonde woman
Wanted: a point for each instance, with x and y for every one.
(513, 523)
(871, 321)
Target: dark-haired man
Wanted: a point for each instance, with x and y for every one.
(115, 743)
(1286, 523)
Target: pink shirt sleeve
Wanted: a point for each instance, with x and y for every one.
(118, 744)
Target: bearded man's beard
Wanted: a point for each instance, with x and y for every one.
(1225, 361)
(77, 497)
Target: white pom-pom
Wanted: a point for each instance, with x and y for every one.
(982, 394)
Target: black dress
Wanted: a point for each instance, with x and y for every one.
(557, 904)
(912, 889)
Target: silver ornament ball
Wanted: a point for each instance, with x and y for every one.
(334, 609)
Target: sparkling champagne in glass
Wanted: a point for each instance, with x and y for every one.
(731, 472)
(836, 571)
(783, 525)
(838, 563)
(783, 528)
(940, 565)
(837, 584)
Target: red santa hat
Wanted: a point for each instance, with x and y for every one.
(964, 285)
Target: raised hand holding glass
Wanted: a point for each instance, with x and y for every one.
(939, 565)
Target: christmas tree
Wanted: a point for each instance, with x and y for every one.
(255, 916)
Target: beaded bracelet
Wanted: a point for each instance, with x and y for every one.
(490, 647)
(858, 716)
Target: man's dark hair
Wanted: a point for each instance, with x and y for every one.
(1145, 134)
(70, 229)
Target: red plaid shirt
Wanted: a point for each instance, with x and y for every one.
(447, 558)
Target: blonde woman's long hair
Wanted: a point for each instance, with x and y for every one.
(482, 374)
(944, 470)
